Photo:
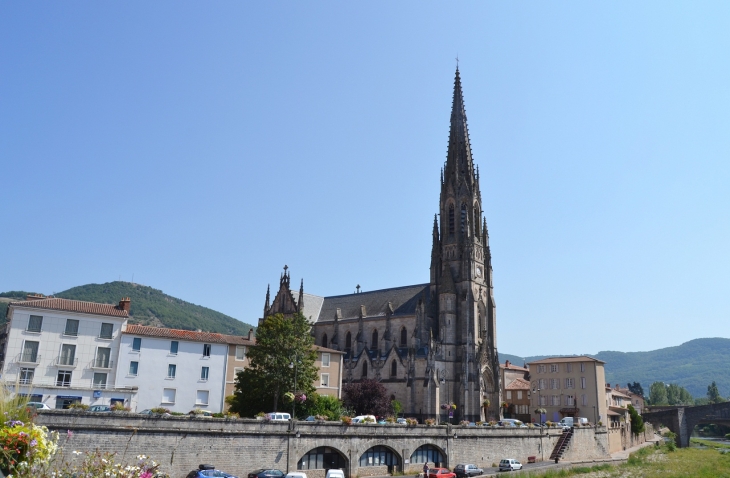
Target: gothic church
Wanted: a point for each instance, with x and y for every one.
(432, 345)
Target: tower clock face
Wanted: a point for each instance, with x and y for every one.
(479, 271)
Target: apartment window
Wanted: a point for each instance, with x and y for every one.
(168, 395)
(554, 368)
(569, 383)
(554, 383)
(26, 376)
(68, 354)
(543, 400)
(72, 327)
(519, 394)
(584, 399)
(569, 367)
(582, 382)
(133, 368)
(325, 380)
(34, 323)
(103, 354)
(201, 398)
(555, 400)
(99, 380)
(582, 367)
(542, 383)
(236, 370)
(107, 331)
(136, 344)
(206, 350)
(204, 373)
(326, 360)
(30, 352)
(171, 370)
(240, 352)
(63, 379)
(570, 400)
(541, 368)
(509, 395)
(173, 347)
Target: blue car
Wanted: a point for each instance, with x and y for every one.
(206, 471)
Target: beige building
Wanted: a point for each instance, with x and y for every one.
(515, 392)
(569, 387)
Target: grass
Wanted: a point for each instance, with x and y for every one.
(709, 443)
(655, 462)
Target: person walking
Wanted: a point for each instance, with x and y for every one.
(425, 470)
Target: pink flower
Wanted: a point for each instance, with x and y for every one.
(69, 434)
(146, 474)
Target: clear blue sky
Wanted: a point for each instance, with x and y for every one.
(201, 146)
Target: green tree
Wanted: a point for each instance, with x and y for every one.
(713, 394)
(658, 394)
(637, 423)
(396, 406)
(284, 350)
(635, 388)
(367, 397)
(323, 405)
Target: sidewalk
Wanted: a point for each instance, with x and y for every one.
(624, 454)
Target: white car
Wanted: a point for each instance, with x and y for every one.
(362, 418)
(38, 405)
(509, 464)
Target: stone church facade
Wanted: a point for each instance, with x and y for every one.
(431, 344)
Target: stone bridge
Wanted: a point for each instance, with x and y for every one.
(682, 420)
(241, 446)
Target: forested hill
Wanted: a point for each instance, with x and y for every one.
(692, 365)
(149, 307)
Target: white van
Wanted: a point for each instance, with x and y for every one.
(335, 473)
(568, 422)
(361, 419)
(278, 417)
(296, 474)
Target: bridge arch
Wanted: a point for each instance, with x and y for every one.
(430, 453)
(323, 458)
(381, 455)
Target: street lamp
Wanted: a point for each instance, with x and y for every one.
(539, 402)
(443, 374)
(293, 365)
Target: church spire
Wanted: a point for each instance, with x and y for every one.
(459, 161)
(268, 294)
(300, 302)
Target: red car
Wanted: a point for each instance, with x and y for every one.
(440, 473)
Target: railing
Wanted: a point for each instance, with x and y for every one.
(102, 364)
(65, 362)
(28, 358)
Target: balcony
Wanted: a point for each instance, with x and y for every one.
(102, 364)
(28, 358)
(67, 362)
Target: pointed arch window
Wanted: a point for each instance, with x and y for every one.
(451, 218)
(393, 369)
(463, 218)
(403, 337)
(364, 370)
(324, 340)
(348, 341)
(375, 339)
(476, 222)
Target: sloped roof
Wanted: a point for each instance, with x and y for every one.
(68, 305)
(319, 348)
(312, 306)
(518, 384)
(572, 358)
(187, 335)
(403, 299)
(512, 366)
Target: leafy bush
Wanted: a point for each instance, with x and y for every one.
(346, 420)
(78, 406)
(160, 410)
(429, 421)
(119, 407)
(411, 421)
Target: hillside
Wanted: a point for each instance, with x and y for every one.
(692, 365)
(149, 307)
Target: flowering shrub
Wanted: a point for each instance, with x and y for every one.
(92, 465)
(411, 421)
(368, 420)
(119, 407)
(346, 420)
(160, 410)
(321, 418)
(23, 444)
(430, 422)
(464, 423)
(78, 406)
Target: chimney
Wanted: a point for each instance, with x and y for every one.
(34, 297)
(250, 334)
(506, 363)
(617, 386)
(125, 303)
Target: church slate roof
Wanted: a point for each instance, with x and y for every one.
(403, 299)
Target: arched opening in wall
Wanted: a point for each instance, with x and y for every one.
(451, 218)
(430, 454)
(476, 222)
(393, 368)
(323, 458)
(324, 340)
(375, 339)
(403, 337)
(463, 218)
(364, 370)
(381, 456)
(348, 341)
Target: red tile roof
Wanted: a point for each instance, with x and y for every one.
(518, 384)
(513, 367)
(69, 305)
(319, 348)
(572, 358)
(187, 335)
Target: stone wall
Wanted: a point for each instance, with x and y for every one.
(240, 446)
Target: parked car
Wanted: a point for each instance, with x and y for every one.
(509, 464)
(149, 412)
(462, 471)
(310, 418)
(361, 419)
(440, 473)
(401, 421)
(279, 417)
(207, 471)
(200, 413)
(511, 422)
(296, 474)
(335, 473)
(38, 405)
(99, 408)
(266, 473)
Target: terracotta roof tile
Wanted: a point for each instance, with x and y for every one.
(518, 384)
(69, 305)
(573, 358)
(187, 335)
(514, 367)
(319, 348)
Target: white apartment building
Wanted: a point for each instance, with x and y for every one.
(176, 369)
(62, 351)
